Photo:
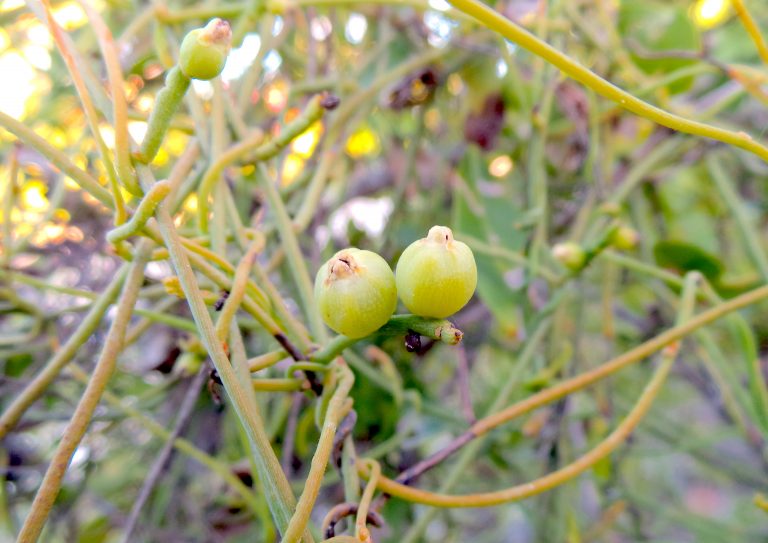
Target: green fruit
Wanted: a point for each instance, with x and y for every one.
(437, 275)
(570, 254)
(625, 238)
(204, 51)
(355, 291)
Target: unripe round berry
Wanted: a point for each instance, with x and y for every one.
(355, 291)
(570, 254)
(437, 275)
(625, 238)
(204, 51)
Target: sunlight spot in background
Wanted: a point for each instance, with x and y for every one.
(276, 95)
(440, 28)
(369, 215)
(144, 103)
(439, 5)
(33, 197)
(190, 204)
(81, 455)
(292, 167)
(204, 89)
(137, 129)
(710, 13)
(320, 28)
(357, 26)
(39, 35)
(277, 27)
(241, 58)
(108, 135)
(7, 5)
(14, 68)
(361, 143)
(272, 61)
(501, 68)
(304, 145)
(37, 56)
(69, 15)
(53, 233)
(500, 166)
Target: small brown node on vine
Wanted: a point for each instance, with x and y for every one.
(223, 295)
(329, 101)
(412, 341)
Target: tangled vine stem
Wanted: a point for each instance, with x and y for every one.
(751, 27)
(144, 212)
(338, 406)
(73, 434)
(63, 355)
(484, 425)
(340, 511)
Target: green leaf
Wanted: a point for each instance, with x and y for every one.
(657, 27)
(686, 257)
(493, 219)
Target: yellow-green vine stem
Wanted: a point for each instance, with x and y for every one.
(338, 406)
(752, 29)
(143, 213)
(166, 104)
(125, 173)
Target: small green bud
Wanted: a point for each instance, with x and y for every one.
(625, 238)
(436, 275)
(570, 254)
(187, 364)
(204, 50)
(355, 291)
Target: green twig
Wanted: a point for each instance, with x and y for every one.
(166, 103)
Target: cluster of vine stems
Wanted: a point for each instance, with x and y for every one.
(147, 232)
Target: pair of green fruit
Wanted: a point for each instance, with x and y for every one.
(356, 290)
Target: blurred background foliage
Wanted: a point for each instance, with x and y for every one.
(450, 124)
